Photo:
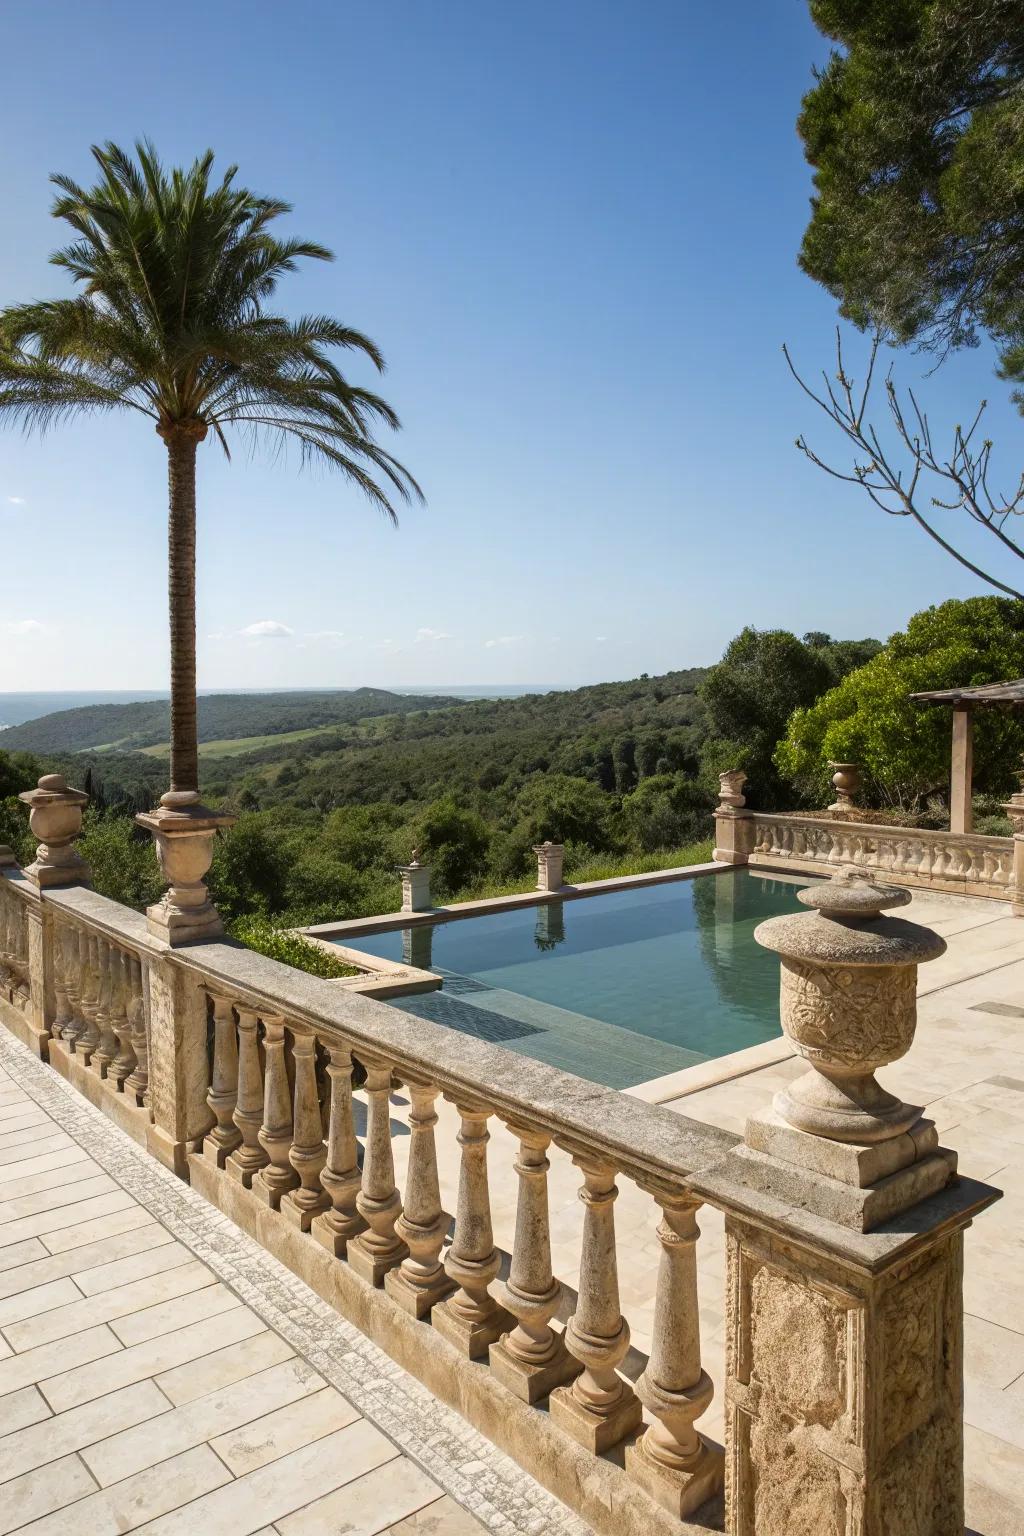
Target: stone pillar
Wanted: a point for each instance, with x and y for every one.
(472, 1320)
(377, 1250)
(844, 1245)
(183, 831)
(308, 1153)
(225, 1136)
(846, 783)
(734, 824)
(961, 770)
(671, 1459)
(420, 1280)
(1017, 903)
(177, 1068)
(55, 816)
(550, 859)
(415, 885)
(341, 1174)
(246, 1160)
(600, 1408)
(532, 1359)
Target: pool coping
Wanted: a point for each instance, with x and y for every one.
(388, 921)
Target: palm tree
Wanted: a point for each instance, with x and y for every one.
(171, 322)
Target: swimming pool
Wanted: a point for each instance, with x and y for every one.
(620, 987)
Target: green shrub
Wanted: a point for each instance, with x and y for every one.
(290, 948)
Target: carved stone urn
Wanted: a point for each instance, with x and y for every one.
(1014, 807)
(183, 830)
(846, 782)
(55, 816)
(848, 1005)
(730, 788)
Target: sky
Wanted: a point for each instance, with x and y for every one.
(572, 229)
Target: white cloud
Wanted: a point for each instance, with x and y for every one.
(24, 627)
(16, 501)
(503, 640)
(266, 629)
(600, 639)
(432, 635)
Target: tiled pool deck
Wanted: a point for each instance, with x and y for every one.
(159, 1372)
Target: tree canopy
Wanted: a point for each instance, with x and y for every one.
(915, 130)
(904, 747)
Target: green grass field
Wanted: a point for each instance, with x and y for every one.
(236, 746)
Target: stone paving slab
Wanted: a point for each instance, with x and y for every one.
(160, 1373)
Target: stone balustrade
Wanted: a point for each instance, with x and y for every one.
(962, 863)
(271, 1090)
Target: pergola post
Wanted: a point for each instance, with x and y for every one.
(960, 774)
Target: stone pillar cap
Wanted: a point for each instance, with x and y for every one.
(847, 926)
(51, 787)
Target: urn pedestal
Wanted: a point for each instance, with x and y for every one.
(55, 817)
(183, 830)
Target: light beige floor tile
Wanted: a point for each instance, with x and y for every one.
(286, 1429)
(129, 1504)
(992, 1354)
(59, 1171)
(47, 1488)
(29, 1117)
(41, 1265)
(154, 1261)
(224, 1366)
(54, 1359)
(274, 1491)
(10, 1112)
(39, 1298)
(208, 1301)
(66, 1432)
(26, 1406)
(19, 1135)
(17, 1255)
(100, 1227)
(442, 1518)
(14, 1173)
(45, 1222)
(156, 1355)
(38, 1146)
(69, 1193)
(122, 1455)
(108, 1305)
(367, 1505)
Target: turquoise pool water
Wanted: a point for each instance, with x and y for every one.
(621, 987)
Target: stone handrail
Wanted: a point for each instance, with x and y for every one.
(240, 1073)
(964, 863)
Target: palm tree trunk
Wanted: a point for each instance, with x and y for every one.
(182, 439)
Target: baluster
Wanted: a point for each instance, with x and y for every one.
(472, 1320)
(89, 1039)
(62, 1013)
(532, 1359)
(308, 1154)
(225, 1136)
(106, 1050)
(420, 1281)
(121, 1067)
(341, 1173)
(137, 1082)
(671, 1459)
(246, 1160)
(599, 1409)
(275, 1135)
(377, 1250)
(73, 979)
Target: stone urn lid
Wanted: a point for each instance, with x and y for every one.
(847, 926)
(53, 788)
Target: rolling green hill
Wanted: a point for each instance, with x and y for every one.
(222, 717)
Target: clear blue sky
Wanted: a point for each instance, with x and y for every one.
(572, 227)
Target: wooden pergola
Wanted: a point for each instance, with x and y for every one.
(964, 701)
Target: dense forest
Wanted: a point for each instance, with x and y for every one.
(625, 774)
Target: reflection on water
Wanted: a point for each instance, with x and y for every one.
(672, 968)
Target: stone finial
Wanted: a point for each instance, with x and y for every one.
(415, 885)
(846, 781)
(183, 830)
(550, 863)
(1014, 807)
(55, 816)
(730, 789)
